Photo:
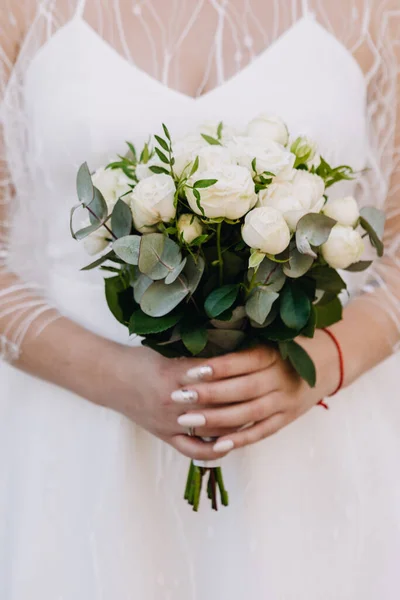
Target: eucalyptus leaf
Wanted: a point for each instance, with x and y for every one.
(328, 279)
(193, 272)
(174, 274)
(328, 314)
(298, 265)
(121, 219)
(151, 249)
(84, 185)
(295, 306)
(140, 285)
(226, 339)
(270, 273)
(99, 261)
(301, 362)
(313, 230)
(160, 299)
(373, 221)
(127, 248)
(113, 287)
(259, 305)
(85, 231)
(362, 265)
(97, 207)
(220, 300)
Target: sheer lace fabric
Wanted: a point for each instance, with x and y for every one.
(192, 46)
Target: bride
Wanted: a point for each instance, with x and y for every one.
(93, 427)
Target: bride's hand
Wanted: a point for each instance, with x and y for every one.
(257, 393)
(138, 383)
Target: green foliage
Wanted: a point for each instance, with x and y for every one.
(127, 248)
(259, 305)
(372, 221)
(142, 324)
(211, 140)
(84, 185)
(329, 313)
(220, 300)
(327, 279)
(333, 175)
(195, 338)
(299, 360)
(361, 265)
(295, 306)
(121, 219)
(313, 230)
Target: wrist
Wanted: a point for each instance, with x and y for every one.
(324, 354)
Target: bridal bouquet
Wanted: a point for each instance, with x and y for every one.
(220, 240)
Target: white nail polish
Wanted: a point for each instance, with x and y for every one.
(182, 396)
(192, 420)
(199, 373)
(223, 446)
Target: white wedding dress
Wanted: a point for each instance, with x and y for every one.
(91, 505)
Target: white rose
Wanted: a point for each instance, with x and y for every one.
(185, 150)
(213, 157)
(211, 128)
(268, 127)
(295, 198)
(343, 210)
(143, 169)
(231, 197)
(96, 242)
(190, 227)
(266, 230)
(152, 201)
(343, 248)
(270, 156)
(112, 183)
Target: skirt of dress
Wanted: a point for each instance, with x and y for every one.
(91, 505)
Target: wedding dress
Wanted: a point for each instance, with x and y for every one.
(91, 505)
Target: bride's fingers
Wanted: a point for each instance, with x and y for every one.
(231, 365)
(227, 391)
(232, 416)
(251, 435)
(195, 448)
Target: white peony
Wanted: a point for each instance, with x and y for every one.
(266, 230)
(270, 156)
(143, 169)
(213, 157)
(344, 210)
(185, 150)
(295, 198)
(266, 127)
(112, 183)
(343, 248)
(190, 227)
(152, 201)
(231, 197)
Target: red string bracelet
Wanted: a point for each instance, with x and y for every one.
(341, 366)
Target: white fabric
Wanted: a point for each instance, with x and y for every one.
(91, 506)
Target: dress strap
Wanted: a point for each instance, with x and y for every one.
(80, 8)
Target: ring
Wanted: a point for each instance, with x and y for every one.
(191, 432)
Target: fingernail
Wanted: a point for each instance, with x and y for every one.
(223, 446)
(184, 396)
(199, 373)
(192, 420)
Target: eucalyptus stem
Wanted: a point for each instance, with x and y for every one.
(103, 224)
(220, 259)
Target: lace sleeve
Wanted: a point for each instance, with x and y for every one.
(23, 305)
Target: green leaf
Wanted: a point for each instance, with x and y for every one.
(121, 219)
(193, 272)
(256, 258)
(98, 207)
(160, 299)
(99, 261)
(373, 221)
(84, 185)
(313, 230)
(204, 183)
(309, 329)
(194, 339)
(195, 166)
(199, 240)
(142, 324)
(127, 248)
(113, 287)
(166, 132)
(161, 156)
(162, 143)
(226, 340)
(196, 194)
(140, 285)
(85, 231)
(298, 265)
(159, 256)
(158, 170)
(259, 305)
(295, 306)
(132, 150)
(362, 265)
(174, 274)
(328, 314)
(278, 332)
(220, 300)
(301, 362)
(270, 273)
(211, 140)
(327, 279)
(219, 130)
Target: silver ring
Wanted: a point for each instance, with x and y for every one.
(191, 432)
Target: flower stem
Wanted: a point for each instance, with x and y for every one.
(219, 250)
